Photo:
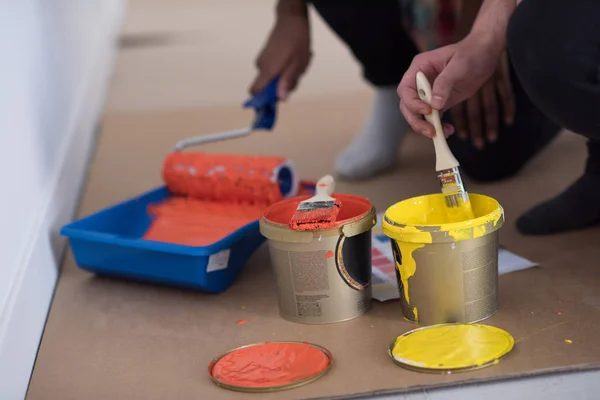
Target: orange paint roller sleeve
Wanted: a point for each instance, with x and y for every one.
(225, 177)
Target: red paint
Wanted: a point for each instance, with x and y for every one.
(193, 222)
(352, 208)
(270, 365)
(329, 254)
(559, 313)
(214, 195)
(242, 321)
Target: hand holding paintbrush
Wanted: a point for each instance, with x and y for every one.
(453, 189)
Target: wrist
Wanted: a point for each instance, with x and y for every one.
(492, 21)
(292, 8)
(493, 43)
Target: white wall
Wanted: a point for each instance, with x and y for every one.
(56, 57)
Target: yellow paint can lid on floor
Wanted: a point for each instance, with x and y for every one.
(449, 347)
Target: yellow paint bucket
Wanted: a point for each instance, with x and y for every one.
(446, 272)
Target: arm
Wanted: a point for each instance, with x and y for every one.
(287, 51)
(492, 21)
(478, 116)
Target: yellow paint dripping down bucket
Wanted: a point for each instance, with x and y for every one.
(447, 272)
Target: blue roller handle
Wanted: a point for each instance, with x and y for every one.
(265, 105)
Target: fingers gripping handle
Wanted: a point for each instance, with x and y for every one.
(265, 105)
(325, 186)
(444, 157)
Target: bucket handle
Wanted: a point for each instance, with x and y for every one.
(360, 226)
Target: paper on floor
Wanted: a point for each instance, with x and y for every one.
(385, 286)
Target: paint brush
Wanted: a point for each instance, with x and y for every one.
(319, 211)
(453, 189)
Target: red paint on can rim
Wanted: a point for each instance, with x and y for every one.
(353, 208)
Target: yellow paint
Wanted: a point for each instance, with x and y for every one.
(409, 265)
(568, 341)
(463, 212)
(452, 346)
(414, 220)
(476, 230)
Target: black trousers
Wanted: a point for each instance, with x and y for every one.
(554, 48)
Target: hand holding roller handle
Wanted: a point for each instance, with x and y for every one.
(265, 106)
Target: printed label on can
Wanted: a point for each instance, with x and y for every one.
(353, 260)
(310, 286)
(218, 261)
(309, 271)
(309, 274)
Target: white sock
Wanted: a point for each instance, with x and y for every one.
(375, 148)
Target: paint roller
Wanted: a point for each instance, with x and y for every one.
(231, 177)
(217, 194)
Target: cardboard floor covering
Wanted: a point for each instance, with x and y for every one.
(114, 339)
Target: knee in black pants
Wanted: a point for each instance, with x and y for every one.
(373, 32)
(554, 49)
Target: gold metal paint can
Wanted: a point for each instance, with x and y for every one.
(323, 276)
(268, 389)
(447, 273)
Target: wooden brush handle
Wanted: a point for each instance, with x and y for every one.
(325, 186)
(444, 157)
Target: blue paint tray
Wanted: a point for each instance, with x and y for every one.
(109, 242)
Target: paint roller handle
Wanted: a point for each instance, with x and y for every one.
(444, 157)
(214, 137)
(265, 105)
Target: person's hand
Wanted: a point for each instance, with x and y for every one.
(286, 53)
(478, 116)
(457, 72)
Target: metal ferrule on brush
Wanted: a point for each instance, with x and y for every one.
(315, 205)
(453, 188)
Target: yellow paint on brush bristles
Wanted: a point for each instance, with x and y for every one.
(463, 212)
(452, 346)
